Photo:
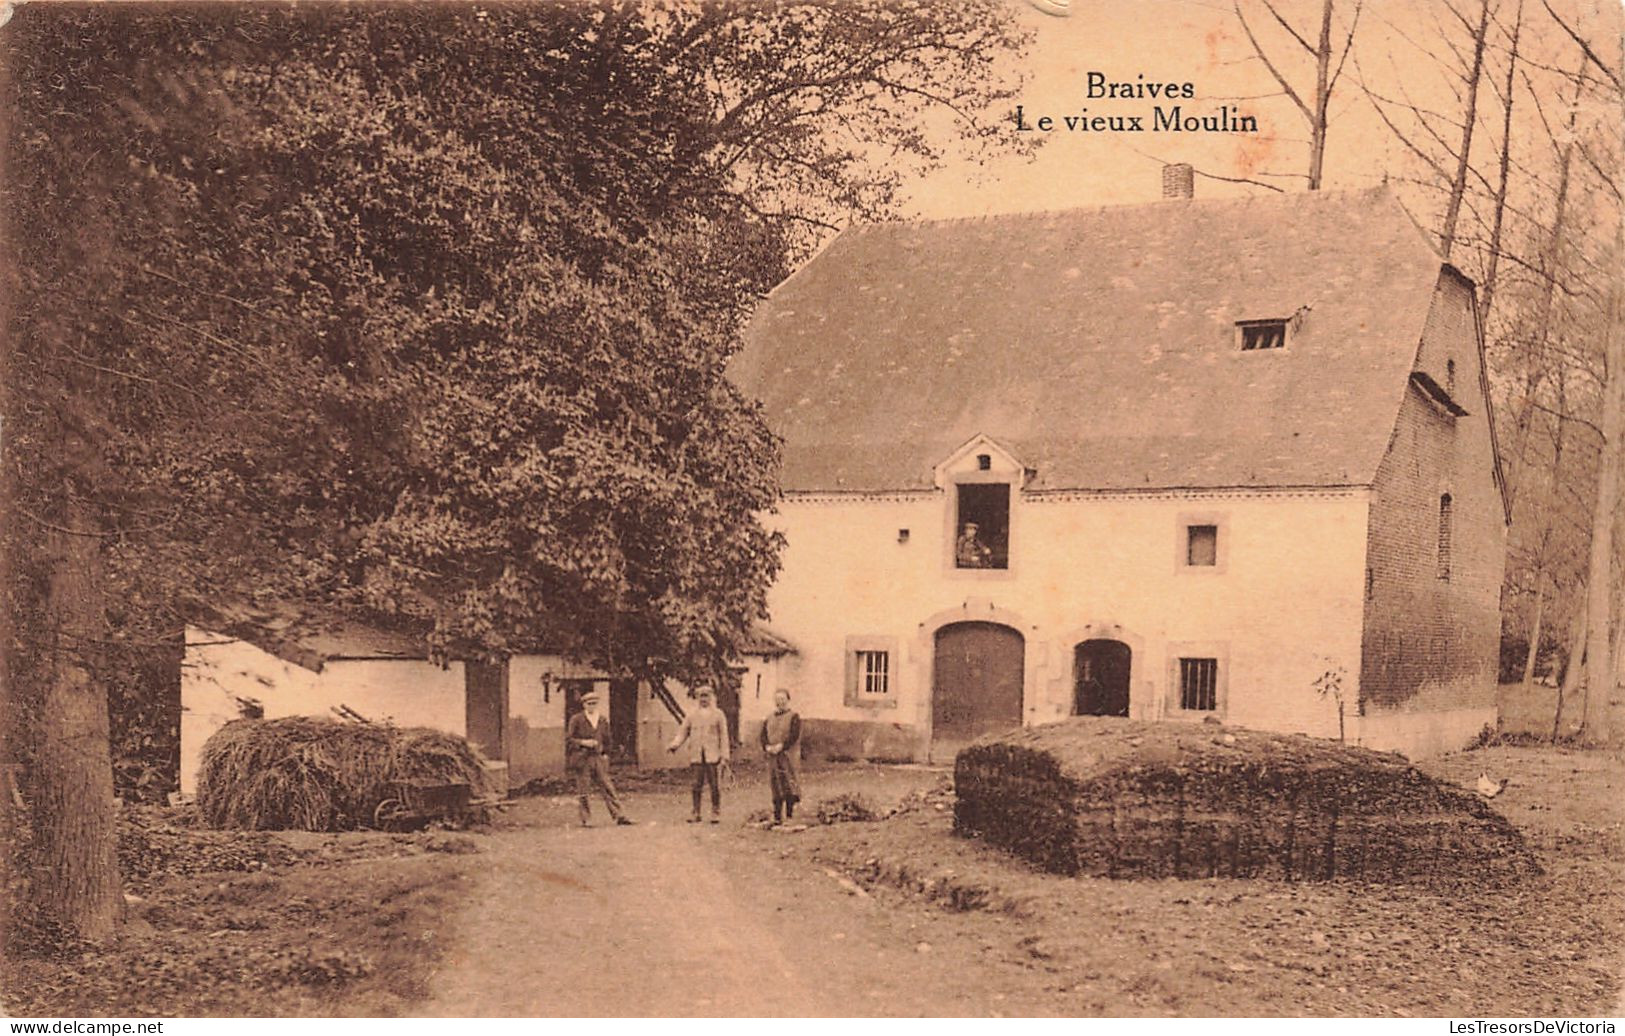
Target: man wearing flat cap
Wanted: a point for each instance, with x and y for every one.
(586, 755)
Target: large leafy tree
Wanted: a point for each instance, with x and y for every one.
(424, 311)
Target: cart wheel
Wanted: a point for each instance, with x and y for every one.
(389, 814)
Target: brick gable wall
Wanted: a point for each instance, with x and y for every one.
(1430, 643)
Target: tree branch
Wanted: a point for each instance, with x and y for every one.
(1279, 78)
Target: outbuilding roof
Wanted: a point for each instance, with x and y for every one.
(1101, 346)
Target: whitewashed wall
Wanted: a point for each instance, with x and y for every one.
(218, 669)
(1283, 606)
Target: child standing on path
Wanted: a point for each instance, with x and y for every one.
(781, 740)
(706, 731)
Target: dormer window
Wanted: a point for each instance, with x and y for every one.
(981, 482)
(1258, 335)
(982, 532)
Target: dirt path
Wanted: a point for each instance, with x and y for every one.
(672, 919)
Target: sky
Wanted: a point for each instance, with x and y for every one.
(1201, 42)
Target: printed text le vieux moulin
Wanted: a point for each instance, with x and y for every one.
(1162, 118)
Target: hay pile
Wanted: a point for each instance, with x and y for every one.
(318, 775)
(1124, 799)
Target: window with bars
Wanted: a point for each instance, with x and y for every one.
(870, 679)
(1202, 545)
(1257, 335)
(873, 672)
(1445, 534)
(1199, 684)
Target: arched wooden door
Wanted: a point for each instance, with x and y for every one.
(976, 680)
(1100, 678)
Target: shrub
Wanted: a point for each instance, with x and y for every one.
(845, 807)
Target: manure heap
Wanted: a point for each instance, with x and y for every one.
(1125, 799)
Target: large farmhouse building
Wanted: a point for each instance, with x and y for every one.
(1190, 459)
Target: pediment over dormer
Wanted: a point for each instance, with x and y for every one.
(981, 458)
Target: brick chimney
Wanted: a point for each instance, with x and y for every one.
(1178, 181)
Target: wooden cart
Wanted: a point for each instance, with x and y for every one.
(411, 804)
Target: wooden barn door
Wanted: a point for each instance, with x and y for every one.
(623, 721)
(485, 707)
(976, 683)
(1100, 678)
(728, 696)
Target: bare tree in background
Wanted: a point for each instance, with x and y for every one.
(1443, 142)
(1324, 51)
(1507, 92)
(1598, 722)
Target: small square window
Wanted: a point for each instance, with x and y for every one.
(871, 677)
(1199, 684)
(1257, 335)
(1202, 545)
(873, 671)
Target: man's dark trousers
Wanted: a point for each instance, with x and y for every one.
(593, 771)
(706, 773)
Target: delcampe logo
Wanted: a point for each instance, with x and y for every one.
(1059, 8)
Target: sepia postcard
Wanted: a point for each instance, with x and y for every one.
(707, 509)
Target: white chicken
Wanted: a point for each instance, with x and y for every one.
(1488, 788)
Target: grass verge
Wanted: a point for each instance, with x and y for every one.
(271, 926)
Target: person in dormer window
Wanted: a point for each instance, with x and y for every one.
(971, 552)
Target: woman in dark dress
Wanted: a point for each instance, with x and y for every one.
(781, 739)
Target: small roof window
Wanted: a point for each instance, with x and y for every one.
(1257, 335)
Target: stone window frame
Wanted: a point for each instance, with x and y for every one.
(1219, 651)
(1220, 520)
(950, 560)
(853, 695)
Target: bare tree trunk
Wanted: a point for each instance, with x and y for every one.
(1536, 371)
(75, 860)
(1541, 553)
(1531, 656)
(1458, 184)
(1326, 76)
(1486, 297)
(1573, 672)
(1600, 574)
(1317, 128)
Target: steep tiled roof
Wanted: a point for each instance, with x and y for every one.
(1100, 344)
(312, 636)
(766, 642)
